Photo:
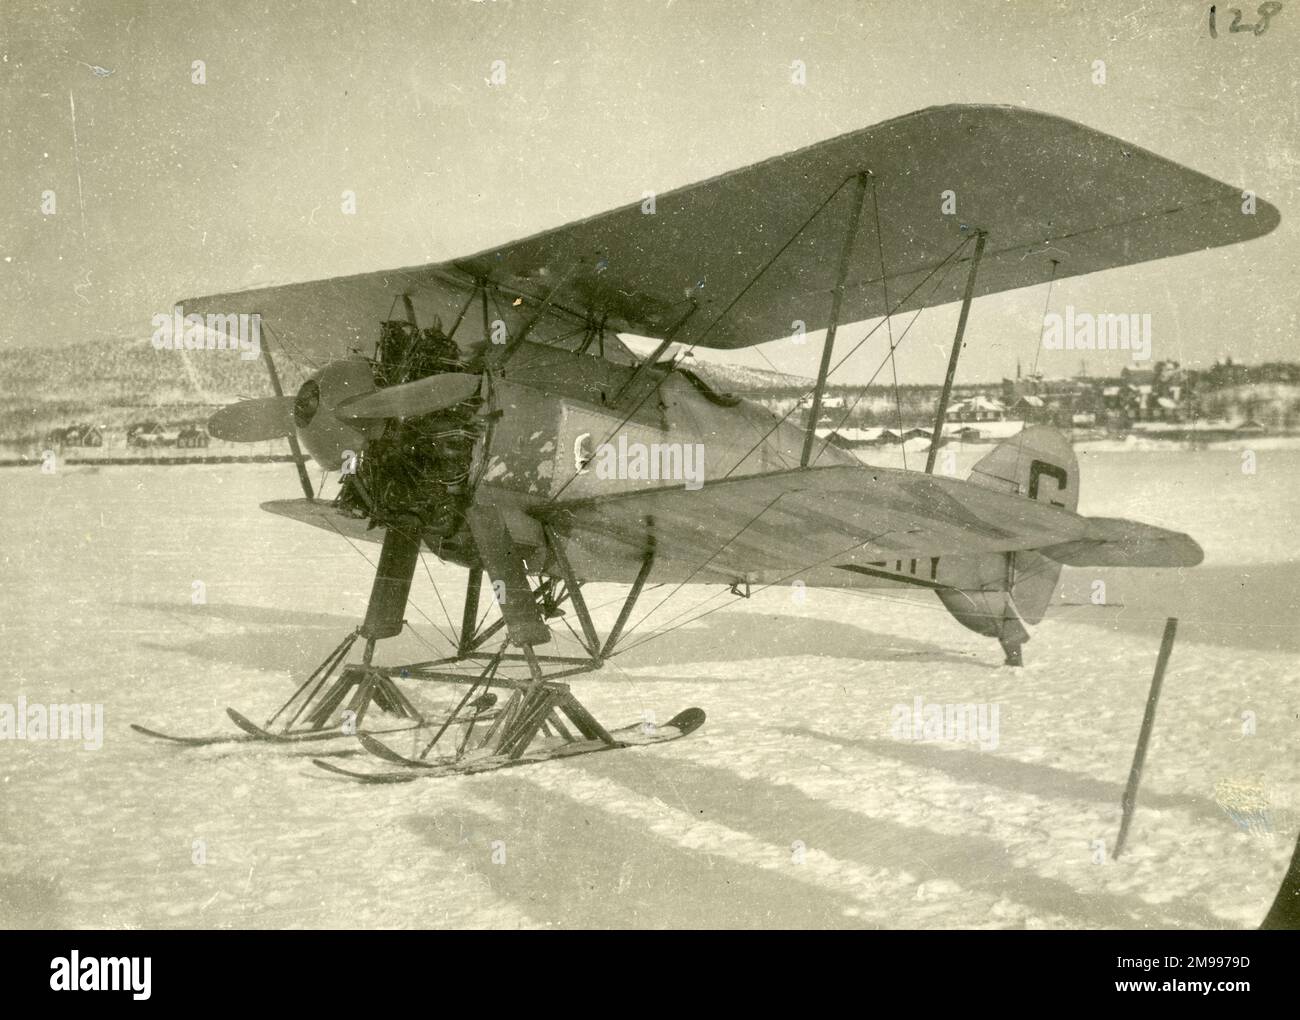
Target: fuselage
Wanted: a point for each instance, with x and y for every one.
(566, 426)
(572, 426)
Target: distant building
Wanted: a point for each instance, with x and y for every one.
(889, 437)
(192, 437)
(78, 434)
(151, 433)
(1031, 409)
(976, 408)
(828, 402)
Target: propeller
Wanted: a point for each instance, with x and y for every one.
(253, 421)
(412, 399)
(338, 409)
(324, 435)
(403, 465)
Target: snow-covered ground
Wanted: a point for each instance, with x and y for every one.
(799, 803)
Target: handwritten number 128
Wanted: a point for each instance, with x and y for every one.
(1265, 12)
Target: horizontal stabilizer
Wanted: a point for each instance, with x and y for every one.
(1116, 542)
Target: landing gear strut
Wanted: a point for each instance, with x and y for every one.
(541, 718)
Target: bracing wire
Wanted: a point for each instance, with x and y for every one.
(730, 305)
(903, 336)
(871, 332)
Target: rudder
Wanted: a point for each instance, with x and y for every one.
(998, 595)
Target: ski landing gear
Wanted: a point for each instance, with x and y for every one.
(541, 718)
(327, 705)
(514, 710)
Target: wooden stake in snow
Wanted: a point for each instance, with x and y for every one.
(1148, 721)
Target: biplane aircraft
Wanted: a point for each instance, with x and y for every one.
(471, 423)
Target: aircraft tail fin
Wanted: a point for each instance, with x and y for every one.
(1000, 595)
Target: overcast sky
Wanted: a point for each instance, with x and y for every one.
(166, 188)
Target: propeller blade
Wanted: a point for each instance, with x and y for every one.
(252, 421)
(410, 400)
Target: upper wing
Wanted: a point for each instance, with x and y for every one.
(1046, 190)
(771, 527)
